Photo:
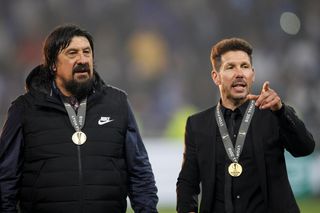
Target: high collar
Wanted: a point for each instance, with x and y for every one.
(40, 80)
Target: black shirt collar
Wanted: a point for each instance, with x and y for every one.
(241, 109)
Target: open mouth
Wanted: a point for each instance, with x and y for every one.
(81, 72)
(239, 86)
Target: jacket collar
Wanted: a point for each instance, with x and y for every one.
(40, 80)
(39, 84)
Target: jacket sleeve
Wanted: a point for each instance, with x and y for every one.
(141, 186)
(188, 181)
(11, 143)
(294, 135)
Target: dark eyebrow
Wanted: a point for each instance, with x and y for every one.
(72, 49)
(229, 63)
(77, 50)
(87, 48)
(245, 63)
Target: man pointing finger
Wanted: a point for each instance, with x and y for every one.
(235, 149)
(268, 98)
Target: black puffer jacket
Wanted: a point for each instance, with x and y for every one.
(59, 176)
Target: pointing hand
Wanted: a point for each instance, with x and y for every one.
(268, 98)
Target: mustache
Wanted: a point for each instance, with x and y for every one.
(81, 68)
(239, 81)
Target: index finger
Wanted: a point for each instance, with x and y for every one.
(265, 86)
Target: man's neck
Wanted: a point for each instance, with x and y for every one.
(232, 104)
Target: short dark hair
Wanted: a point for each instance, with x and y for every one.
(225, 45)
(59, 39)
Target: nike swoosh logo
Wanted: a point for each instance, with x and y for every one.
(223, 137)
(104, 120)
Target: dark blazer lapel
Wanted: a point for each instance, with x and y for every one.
(258, 150)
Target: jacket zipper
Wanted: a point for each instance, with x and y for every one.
(80, 179)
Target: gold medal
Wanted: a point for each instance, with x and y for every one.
(235, 169)
(79, 138)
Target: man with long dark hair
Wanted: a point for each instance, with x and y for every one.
(71, 143)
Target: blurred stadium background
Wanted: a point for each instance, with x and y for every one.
(158, 51)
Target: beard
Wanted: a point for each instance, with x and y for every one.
(79, 89)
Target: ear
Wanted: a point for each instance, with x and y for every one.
(53, 69)
(215, 77)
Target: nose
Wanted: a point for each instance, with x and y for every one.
(82, 58)
(239, 71)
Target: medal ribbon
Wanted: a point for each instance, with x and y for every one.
(77, 120)
(234, 152)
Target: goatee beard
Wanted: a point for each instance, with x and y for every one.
(79, 89)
